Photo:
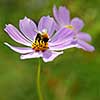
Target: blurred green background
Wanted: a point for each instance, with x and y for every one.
(75, 75)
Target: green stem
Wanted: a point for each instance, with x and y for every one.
(38, 82)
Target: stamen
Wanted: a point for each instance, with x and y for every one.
(41, 42)
(69, 26)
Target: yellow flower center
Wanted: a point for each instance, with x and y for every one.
(72, 28)
(41, 42)
(69, 26)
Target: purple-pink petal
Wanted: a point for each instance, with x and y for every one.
(85, 46)
(31, 55)
(28, 28)
(84, 36)
(56, 14)
(50, 55)
(61, 35)
(64, 15)
(16, 35)
(66, 45)
(47, 23)
(21, 50)
(61, 15)
(77, 24)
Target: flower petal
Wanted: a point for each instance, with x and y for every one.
(50, 55)
(56, 14)
(65, 40)
(62, 46)
(64, 15)
(85, 46)
(47, 23)
(61, 35)
(84, 36)
(21, 50)
(77, 24)
(31, 55)
(16, 35)
(28, 28)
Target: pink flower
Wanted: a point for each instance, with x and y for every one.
(80, 39)
(39, 41)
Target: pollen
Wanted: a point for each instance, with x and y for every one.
(40, 43)
(69, 26)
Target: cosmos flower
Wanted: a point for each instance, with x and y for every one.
(41, 41)
(80, 39)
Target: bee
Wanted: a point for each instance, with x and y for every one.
(38, 37)
(41, 41)
(42, 36)
(45, 38)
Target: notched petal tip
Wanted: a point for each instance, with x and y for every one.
(7, 25)
(24, 19)
(63, 8)
(48, 18)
